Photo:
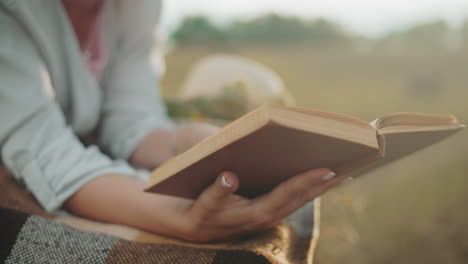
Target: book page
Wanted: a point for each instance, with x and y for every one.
(404, 143)
(408, 119)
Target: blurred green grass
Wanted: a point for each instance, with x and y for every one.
(413, 211)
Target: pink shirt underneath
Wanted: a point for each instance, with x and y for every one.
(95, 56)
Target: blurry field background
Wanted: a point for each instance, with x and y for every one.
(414, 211)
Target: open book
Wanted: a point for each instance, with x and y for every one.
(274, 143)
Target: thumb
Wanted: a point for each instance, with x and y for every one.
(226, 184)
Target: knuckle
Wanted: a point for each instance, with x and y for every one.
(305, 196)
(291, 192)
(208, 206)
(299, 193)
(263, 218)
(313, 194)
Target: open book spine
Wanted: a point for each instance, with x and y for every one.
(360, 163)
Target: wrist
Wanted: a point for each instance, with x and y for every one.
(165, 215)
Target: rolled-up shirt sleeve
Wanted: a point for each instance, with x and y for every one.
(132, 105)
(37, 145)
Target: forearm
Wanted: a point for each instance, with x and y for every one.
(218, 213)
(120, 199)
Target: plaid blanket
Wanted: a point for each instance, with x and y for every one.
(30, 235)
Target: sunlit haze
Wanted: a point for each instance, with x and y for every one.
(370, 17)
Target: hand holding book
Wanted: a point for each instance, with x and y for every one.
(218, 213)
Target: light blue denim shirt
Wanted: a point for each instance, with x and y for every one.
(48, 97)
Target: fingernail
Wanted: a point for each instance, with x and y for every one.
(329, 176)
(224, 182)
(349, 179)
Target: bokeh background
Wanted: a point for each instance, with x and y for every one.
(366, 59)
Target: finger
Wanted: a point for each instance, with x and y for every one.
(327, 185)
(304, 188)
(313, 193)
(297, 185)
(298, 190)
(214, 196)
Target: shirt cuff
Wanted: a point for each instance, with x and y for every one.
(50, 197)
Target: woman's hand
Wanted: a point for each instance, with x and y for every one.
(160, 145)
(191, 134)
(218, 213)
